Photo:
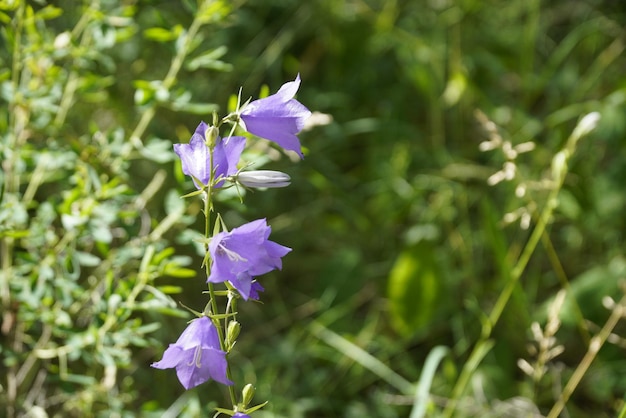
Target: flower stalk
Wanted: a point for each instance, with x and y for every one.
(237, 257)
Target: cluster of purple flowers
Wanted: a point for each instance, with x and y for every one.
(238, 256)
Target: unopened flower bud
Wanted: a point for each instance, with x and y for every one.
(247, 393)
(232, 333)
(210, 136)
(263, 178)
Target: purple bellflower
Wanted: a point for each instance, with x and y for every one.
(196, 355)
(240, 415)
(278, 117)
(243, 253)
(196, 156)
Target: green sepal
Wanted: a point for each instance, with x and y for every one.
(228, 412)
(219, 226)
(223, 316)
(193, 311)
(194, 193)
(256, 408)
(217, 292)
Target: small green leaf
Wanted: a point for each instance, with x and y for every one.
(49, 12)
(14, 233)
(170, 290)
(207, 59)
(174, 270)
(161, 34)
(163, 254)
(87, 259)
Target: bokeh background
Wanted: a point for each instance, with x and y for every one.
(407, 216)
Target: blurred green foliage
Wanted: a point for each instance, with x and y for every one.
(403, 238)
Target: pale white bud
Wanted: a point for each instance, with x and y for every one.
(524, 221)
(496, 178)
(525, 147)
(263, 178)
(62, 40)
(508, 150)
(488, 145)
(510, 217)
(525, 367)
(509, 170)
(587, 124)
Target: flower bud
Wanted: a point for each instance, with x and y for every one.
(210, 136)
(232, 333)
(247, 393)
(263, 178)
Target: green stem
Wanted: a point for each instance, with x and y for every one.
(208, 207)
(594, 347)
(472, 363)
(559, 172)
(560, 273)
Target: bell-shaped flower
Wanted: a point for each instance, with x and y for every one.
(196, 355)
(196, 156)
(278, 117)
(242, 254)
(240, 415)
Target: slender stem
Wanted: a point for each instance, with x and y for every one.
(560, 272)
(594, 347)
(208, 207)
(496, 312)
(559, 171)
(522, 262)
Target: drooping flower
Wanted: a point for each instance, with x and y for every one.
(240, 415)
(244, 253)
(196, 156)
(278, 117)
(196, 355)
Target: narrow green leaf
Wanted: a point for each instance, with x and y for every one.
(170, 290)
